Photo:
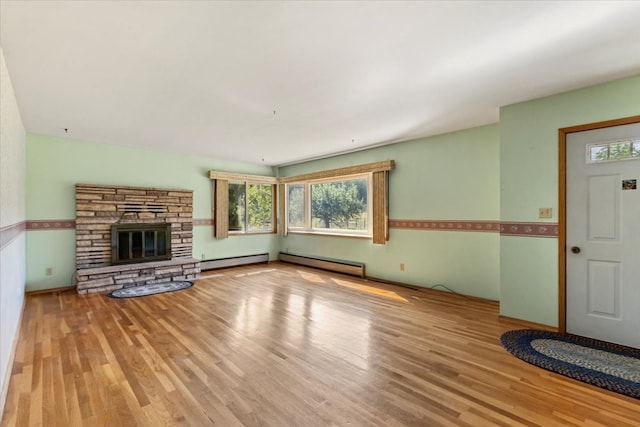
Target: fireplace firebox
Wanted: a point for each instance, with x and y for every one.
(131, 243)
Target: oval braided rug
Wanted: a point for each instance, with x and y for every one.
(143, 290)
(610, 366)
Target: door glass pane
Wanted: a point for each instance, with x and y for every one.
(598, 153)
(619, 150)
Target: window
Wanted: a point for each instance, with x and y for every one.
(251, 208)
(243, 203)
(260, 208)
(339, 205)
(611, 151)
(348, 201)
(352, 200)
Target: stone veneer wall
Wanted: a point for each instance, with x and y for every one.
(100, 206)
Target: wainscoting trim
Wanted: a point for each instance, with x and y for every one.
(529, 229)
(10, 232)
(51, 224)
(445, 225)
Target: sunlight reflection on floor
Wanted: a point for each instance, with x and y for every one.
(311, 277)
(314, 278)
(328, 334)
(253, 273)
(370, 289)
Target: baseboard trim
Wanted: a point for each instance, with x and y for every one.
(12, 357)
(339, 266)
(429, 288)
(394, 283)
(51, 290)
(529, 324)
(214, 264)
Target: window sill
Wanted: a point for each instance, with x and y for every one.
(250, 233)
(330, 234)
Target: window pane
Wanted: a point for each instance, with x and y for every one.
(296, 206)
(340, 205)
(635, 149)
(236, 207)
(619, 150)
(260, 207)
(598, 153)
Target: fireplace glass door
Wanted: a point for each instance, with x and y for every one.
(132, 243)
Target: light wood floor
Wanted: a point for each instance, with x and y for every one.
(279, 345)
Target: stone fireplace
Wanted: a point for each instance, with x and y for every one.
(129, 236)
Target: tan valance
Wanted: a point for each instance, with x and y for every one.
(385, 165)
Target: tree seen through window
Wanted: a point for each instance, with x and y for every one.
(251, 207)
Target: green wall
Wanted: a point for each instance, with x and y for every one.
(55, 165)
(529, 180)
(447, 177)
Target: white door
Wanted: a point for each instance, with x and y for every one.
(603, 236)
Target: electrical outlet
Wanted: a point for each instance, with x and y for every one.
(49, 271)
(544, 213)
(203, 255)
(402, 266)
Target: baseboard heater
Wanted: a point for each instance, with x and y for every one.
(213, 264)
(352, 268)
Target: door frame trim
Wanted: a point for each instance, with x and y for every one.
(562, 206)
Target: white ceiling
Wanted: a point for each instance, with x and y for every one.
(280, 82)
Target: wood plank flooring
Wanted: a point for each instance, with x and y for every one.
(281, 345)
